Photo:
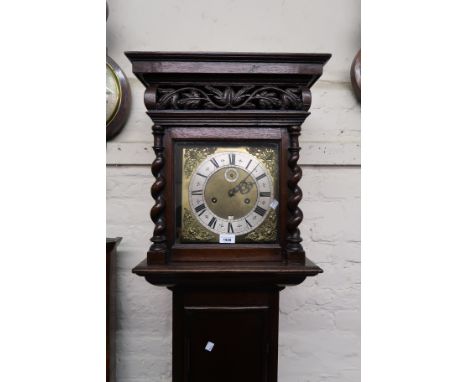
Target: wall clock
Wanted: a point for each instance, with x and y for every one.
(356, 75)
(118, 99)
(226, 214)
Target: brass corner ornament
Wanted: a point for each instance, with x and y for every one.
(193, 231)
(193, 156)
(267, 231)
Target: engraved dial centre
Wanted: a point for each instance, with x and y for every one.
(217, 188)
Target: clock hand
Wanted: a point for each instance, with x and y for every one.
(237, 188)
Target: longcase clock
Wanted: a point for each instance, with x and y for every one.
(226, 240)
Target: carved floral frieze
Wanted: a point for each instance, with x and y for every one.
(229, 98)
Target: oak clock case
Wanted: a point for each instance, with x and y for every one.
(226, 214)
(227, 193)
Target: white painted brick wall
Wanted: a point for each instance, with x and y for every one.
(319, 338)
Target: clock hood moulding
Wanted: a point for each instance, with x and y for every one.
(301, 69)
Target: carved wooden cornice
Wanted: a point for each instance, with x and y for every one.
(247, 87)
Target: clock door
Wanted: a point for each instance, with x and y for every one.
(229, 345)
(226, 334)
(225, 199)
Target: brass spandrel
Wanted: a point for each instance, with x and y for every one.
(194, 231)
(193, 156)
(266, 232)
(267, 156)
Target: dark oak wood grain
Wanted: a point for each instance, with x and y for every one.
(294, 250)
(158, 250)
(226, 293)
(241, 323)
(227, 273)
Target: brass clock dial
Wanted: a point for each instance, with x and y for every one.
(231, 191)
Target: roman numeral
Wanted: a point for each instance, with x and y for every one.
(212, 222)
(232, 159)
(202, 175)
(248, 164)
(201, 208)
(250, 225)
(264, 194)
(230, 228)
(259, 210)
(215, 163)
(260, 176)
(199, 192)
